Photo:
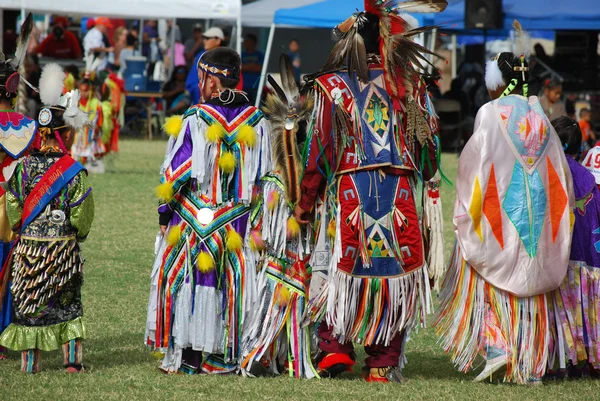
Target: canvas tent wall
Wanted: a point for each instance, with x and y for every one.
(137, 9)
(533, 14)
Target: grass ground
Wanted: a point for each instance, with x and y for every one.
(119, 255)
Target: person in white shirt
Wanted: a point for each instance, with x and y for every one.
(93, 42)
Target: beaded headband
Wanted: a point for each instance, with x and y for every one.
(217, 70)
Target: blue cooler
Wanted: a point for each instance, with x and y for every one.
(135, 74)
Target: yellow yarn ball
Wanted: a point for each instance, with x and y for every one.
(205, 262)
(214, 133)
(174, 235)
(227, 162)
(283, 297)
(331, 228)
(293, 227)
(234, 241)
(173, 125)
(256, 241)
(165, 191)
(272, 200)
(247, 136)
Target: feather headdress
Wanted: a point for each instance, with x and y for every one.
(401, 57)
(9, 76)
(51, 95)
(286, 108)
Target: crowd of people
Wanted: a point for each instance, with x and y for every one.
(112, 42)
(290, 234)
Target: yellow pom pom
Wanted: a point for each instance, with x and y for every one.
(227, 162)
(256, 241)
(247, 136)
(214, 133)
(165, 191)
(293, 228)
(174, 235)
(205, 262)
(69, 82)
(173, 125)
(272, 200)
(331, 229)
(234, 241)
(283, 296)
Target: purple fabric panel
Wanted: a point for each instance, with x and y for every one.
(230, 113)
(585, 246)
(185, 151)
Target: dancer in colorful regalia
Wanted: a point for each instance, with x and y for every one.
(371, 141)
(573, 311)
(49, 203)
(16, 135)
(276, 341)
(513, 231)
(204, 278)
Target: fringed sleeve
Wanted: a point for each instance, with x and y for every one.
(14, 198)
(320, 155)
(82, 205)
(177, 167)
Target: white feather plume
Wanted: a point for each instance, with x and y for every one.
(51, 84)
(522, 41)
(493, 75)
(73, 116)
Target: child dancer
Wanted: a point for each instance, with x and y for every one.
(575, 303)
(512, 221)
(203, 286)
(16, 134)
(50, 205)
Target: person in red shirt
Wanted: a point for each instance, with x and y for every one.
(61, 43)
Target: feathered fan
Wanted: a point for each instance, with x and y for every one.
(23, 41)
(286, 109)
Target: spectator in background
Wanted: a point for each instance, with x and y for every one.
(150, 32)
(93, 42)
(60, 43)
(120, 40)
(194, 45)
(33, 73)
(550, 100)
(213, 38)
(174, 93)
(294, 54)
(129, 51)
(178, 37)
(252, 62)
(587, 135)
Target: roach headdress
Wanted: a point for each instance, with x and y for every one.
(381, 30)
(286, 108)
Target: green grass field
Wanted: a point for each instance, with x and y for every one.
(119, 255)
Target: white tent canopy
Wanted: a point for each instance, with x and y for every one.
(261, 12)
(133, 9)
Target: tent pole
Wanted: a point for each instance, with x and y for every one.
(263, 74)
(238, 38)
(172, 40)
(141, 37)
(432, 48)
(454, 55)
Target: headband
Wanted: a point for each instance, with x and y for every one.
(217, 70)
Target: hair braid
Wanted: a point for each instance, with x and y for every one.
(509, 65)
